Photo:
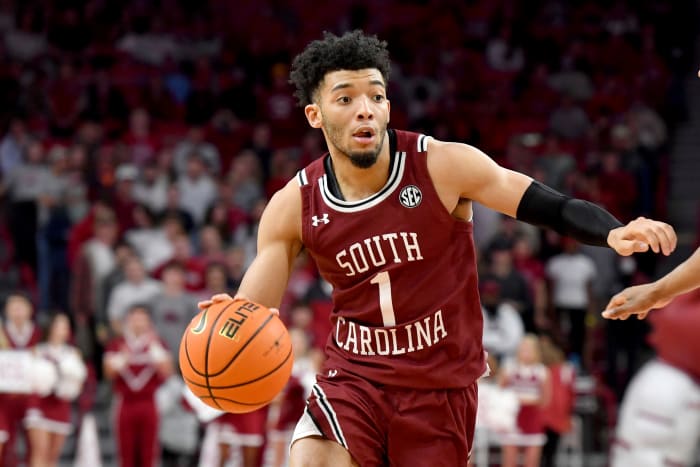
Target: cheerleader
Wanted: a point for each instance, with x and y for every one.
(529, 379)
(49, 419)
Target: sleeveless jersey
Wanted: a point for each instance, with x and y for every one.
(406, 308)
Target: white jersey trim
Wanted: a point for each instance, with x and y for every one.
(328, 411)
(395, 177)
(423, 143)
(301, 178)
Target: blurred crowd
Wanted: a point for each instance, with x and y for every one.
(141, 141)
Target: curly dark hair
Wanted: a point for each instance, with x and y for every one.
(351, 51)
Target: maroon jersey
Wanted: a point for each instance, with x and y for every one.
(406, 308)
(21, 339)
(139, 379)
(675, 335)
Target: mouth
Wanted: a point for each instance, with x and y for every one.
(364, 135)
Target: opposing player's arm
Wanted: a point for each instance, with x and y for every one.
(468, 173)
(640, 299)
(279, 242)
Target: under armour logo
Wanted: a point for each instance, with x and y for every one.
(332, 373)
(315, 220)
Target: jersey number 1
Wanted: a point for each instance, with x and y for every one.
(386, 305)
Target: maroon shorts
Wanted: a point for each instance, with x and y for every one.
(386, 425)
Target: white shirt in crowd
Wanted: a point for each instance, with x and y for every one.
(570, 275)
(502, 331)
(127, 294)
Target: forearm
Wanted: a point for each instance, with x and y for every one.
(684, 278)
(584, 221)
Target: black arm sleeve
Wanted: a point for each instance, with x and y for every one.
(586, 222)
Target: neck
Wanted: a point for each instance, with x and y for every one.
(357, 183)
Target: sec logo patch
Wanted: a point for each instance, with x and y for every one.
(410, 196)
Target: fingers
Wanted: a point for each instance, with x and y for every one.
(671, 239)
(275, 311)
(641, 316)
(221, 297)
(660, 236)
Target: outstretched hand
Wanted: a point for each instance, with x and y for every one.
(641, 234)
(637, 300)
(224, 297)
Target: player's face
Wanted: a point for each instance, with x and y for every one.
(352, 109)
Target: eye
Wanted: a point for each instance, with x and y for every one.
(378, 98)
(344, 100)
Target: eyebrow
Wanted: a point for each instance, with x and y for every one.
(374, 82)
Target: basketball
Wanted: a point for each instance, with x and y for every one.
(236, 356)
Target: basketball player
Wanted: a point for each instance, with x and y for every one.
(17, 332)
(659, 423)
(137, 363)
(386, 215)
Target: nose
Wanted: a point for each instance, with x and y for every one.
(364, 110)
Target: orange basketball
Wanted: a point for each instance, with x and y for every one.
(236, 356)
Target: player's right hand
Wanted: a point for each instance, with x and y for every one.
(637, 300)
(221, 297)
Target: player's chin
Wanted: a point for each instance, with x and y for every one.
(364, 159)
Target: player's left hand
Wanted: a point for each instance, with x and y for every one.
(641, 234)
(637, 300)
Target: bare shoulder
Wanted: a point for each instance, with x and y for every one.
(282, 216)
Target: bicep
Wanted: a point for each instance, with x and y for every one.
(279, 242)
(476, 176)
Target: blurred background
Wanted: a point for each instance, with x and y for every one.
(140, 141)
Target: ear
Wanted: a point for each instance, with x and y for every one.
(313, 115)
(388, 110)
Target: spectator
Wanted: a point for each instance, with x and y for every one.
(197, 189)
(195, 142)
(571, 275)
(153, 241)
(137, 364)
(503, 327)
(143, 145)
(556, 163)
(137, 287)
(95, 262)
(211, 246)
(513, 287)
(123, 201)
(569, 121)
(246, 179)
(24, 186)
(173, 209)
(194, 268)
(13, 146)
(151, 188)
(173, 308)
(503, 51)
